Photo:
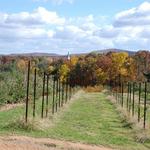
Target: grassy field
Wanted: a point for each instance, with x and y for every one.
(89, 118)
(136, 106)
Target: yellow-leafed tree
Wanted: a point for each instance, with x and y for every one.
(63, 72)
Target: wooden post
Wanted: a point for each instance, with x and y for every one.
(66, 90)
(34, 99)
(122, 94)
(69, 87)
(128, 95)
(139, 103)
(27, 94)
(145, 108)
(53, 103)
(133, 101)
(62, 96)
(69, 91)
(56, 103)
(43, 95)
(116, 92)
(47, 89)
(59, 92)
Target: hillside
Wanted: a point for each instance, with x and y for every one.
(38, 54)
(114, 50)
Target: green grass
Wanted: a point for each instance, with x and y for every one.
(90, 118)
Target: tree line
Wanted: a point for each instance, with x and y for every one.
(83, 70)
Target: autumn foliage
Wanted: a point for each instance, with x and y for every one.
(87, 71)
(95, 69)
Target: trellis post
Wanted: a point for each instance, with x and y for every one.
(43, 95)
(34, 93)
(139, 103)
(27, 93)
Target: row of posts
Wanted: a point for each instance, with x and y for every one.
(133, 97)
(61, 93)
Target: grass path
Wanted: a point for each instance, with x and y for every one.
(93, 119)
(90, 119)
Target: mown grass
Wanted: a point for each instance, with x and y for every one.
(136, 107)
(90, 118)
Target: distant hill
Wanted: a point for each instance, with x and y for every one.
(105, 51)
(37, 54)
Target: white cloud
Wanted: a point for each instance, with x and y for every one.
(39, 16)
(138, 16)
(107, 32)
(44, 30)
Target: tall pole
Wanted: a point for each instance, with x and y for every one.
(27, 94)
(139, 103)
(128, 95)
(56, 92)
(62, 102)
(43, 95)
(70, 88)
(122, 94)
(66, 89)
(59, 92)
(53, 103)
(47, 95)
(145, 99)
(34, 93)
(133, 101)
(119, 88)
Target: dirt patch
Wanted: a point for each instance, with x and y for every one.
(28, 143)
(10, 106)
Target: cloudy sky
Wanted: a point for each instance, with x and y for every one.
(59, 26)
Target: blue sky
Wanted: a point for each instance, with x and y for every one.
(58, 26)
(75, 8)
